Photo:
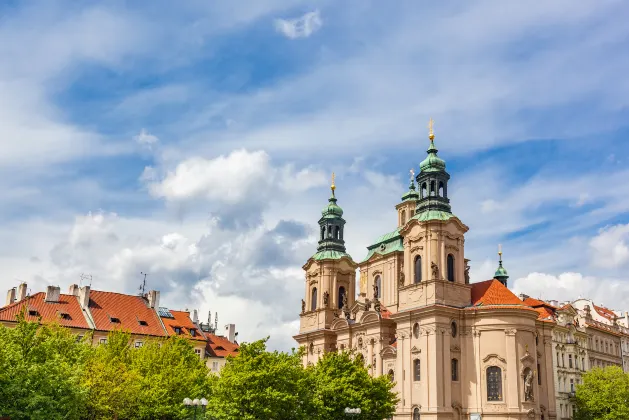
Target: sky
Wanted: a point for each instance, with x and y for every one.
(194, 142)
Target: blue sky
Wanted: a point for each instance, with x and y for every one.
(195, 142)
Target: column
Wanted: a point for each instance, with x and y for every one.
(512, 382)
(399, 367)
(370, 357)
(407, 374)
(447, 369)
(434, 369)
(379, 358)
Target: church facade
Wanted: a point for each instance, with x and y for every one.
(455, 350)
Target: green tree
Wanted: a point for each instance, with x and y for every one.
(40, 372)
(342, 380)
(603, 395)
(258, 384)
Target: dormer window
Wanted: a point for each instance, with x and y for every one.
(114, 320)
(193, 332)
(143, 323)
(33, 312)
(177, 330)
(65, 315)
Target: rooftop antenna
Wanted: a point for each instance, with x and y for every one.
(85, 277)
(143, 285)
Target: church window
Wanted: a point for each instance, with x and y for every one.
(329, 231)
(337, 233)
(313, 299)
(455, 370)
(453, 329)
(441, 189)
(341, 296)
(391, 375)
(569, 360)
(311, 348)
(424, 190)
(418, 269)
(378, 287)
(416, 414)
(403, 217)
(417, 370)
(494, 383)
(322, 232)
(432, 187)
(539, 374)
(450, 267)
(416, 330)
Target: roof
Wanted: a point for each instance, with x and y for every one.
(426, 215)
(219, 346)
(330, 255)
(604, 312)
(492, 292)
(386, 244)
(529, 301)
(545, 314)
(129, 310)
(181, 319)
(49, 311)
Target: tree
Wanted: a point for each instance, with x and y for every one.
(40, 372)
(603, 395)
(258, 384)
(341, 381)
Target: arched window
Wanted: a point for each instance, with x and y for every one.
(441, 189)
(403, 217)
(417, 370)
(432, 187)
(416, 414)
(494, 383)
(337, 233)
(378, 282)
(313, 299)
(341, 296)
(424, 190)
(322, 232)
(455, 370)
(416, 330)
(450, 267)
(418, 269)
(391, 375)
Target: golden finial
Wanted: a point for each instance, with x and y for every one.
(500, 251)
(412, 172)
(333, 186)
(431, 133)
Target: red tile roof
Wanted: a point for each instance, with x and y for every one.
(128, 309)
(535, 302)
(182, 320)
(49, 311)
(219, 346)
(604, 312)
(492, 292)
(545, 314)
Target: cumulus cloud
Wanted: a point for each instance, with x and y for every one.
(301, 27)
(146, 140)
(609, 247)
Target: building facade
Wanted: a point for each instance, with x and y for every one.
(453, 349)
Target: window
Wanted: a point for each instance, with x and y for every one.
(416, 414)
(138, 344)
(539, 374)
(79, 338)
(418, 269)
(569, 360)
(403, 217)
(177, 330)
(416, 330)
(583, 363)
(337, 233)
(313, 299)
(432, 187)
(65, 315)
(417, 370)
(378, 287)
(341, 296)
(450, 267)
(102, 341)
(441, 189)
(143, 323)
(114, 320)
(453, 329)
(455, 370)
(193, 332)
(198, 352)
(33, 312)
(424, 190)
(214, 366)
(494, 383)
(391, 375)
(571, 385)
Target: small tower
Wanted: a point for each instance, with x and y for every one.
(330, 284)
(433, 180)
(406, 209)
(501, 273)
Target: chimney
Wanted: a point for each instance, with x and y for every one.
(230, 332)
(21, 291)
(74, 290)
(11, 296)
(153, 298)
(195, 317)
(522, 296)
(84, 297)
(53, 293)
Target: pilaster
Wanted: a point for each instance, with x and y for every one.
(512, 370)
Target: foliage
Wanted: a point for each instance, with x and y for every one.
(342, 380)
(603, 395)
(262, 385)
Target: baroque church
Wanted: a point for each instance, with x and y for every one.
(454, 350)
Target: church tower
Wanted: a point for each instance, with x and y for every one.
(501, 273)
(406, 209)
(434, 259)
(330, 284)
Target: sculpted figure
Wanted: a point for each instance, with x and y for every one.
(528, 386)
(303, 306)
(326, 298)
(467, 274)
(435, 270)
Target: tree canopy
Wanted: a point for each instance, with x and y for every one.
(603, 395)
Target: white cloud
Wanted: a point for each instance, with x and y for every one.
(609, 247)
(301, 27)
(145, 139)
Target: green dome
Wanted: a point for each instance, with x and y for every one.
(332, 209)
(432, 163)
(501, 272)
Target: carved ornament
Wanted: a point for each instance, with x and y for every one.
(510, 331)
(494, 356)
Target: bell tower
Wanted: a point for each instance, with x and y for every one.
(330, 284)
(434, 260)
(406, 209)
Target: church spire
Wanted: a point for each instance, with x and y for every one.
(501, 273)
(332, 224)
(433, 179)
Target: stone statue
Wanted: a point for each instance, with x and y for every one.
(367, 304)
(303, 306)
(528, 386)
(345, 304)
(326, 298)
(435, 270)
(401, 280)
(467, 273)
(376, 305)
(375, 291)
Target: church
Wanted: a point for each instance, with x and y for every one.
(454, 350)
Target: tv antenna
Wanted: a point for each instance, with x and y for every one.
(143, 285)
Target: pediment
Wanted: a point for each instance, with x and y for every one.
(527, 358)
(369, 316)
(388, 351)
(494, 356)
(415, 350)
(339, 324)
